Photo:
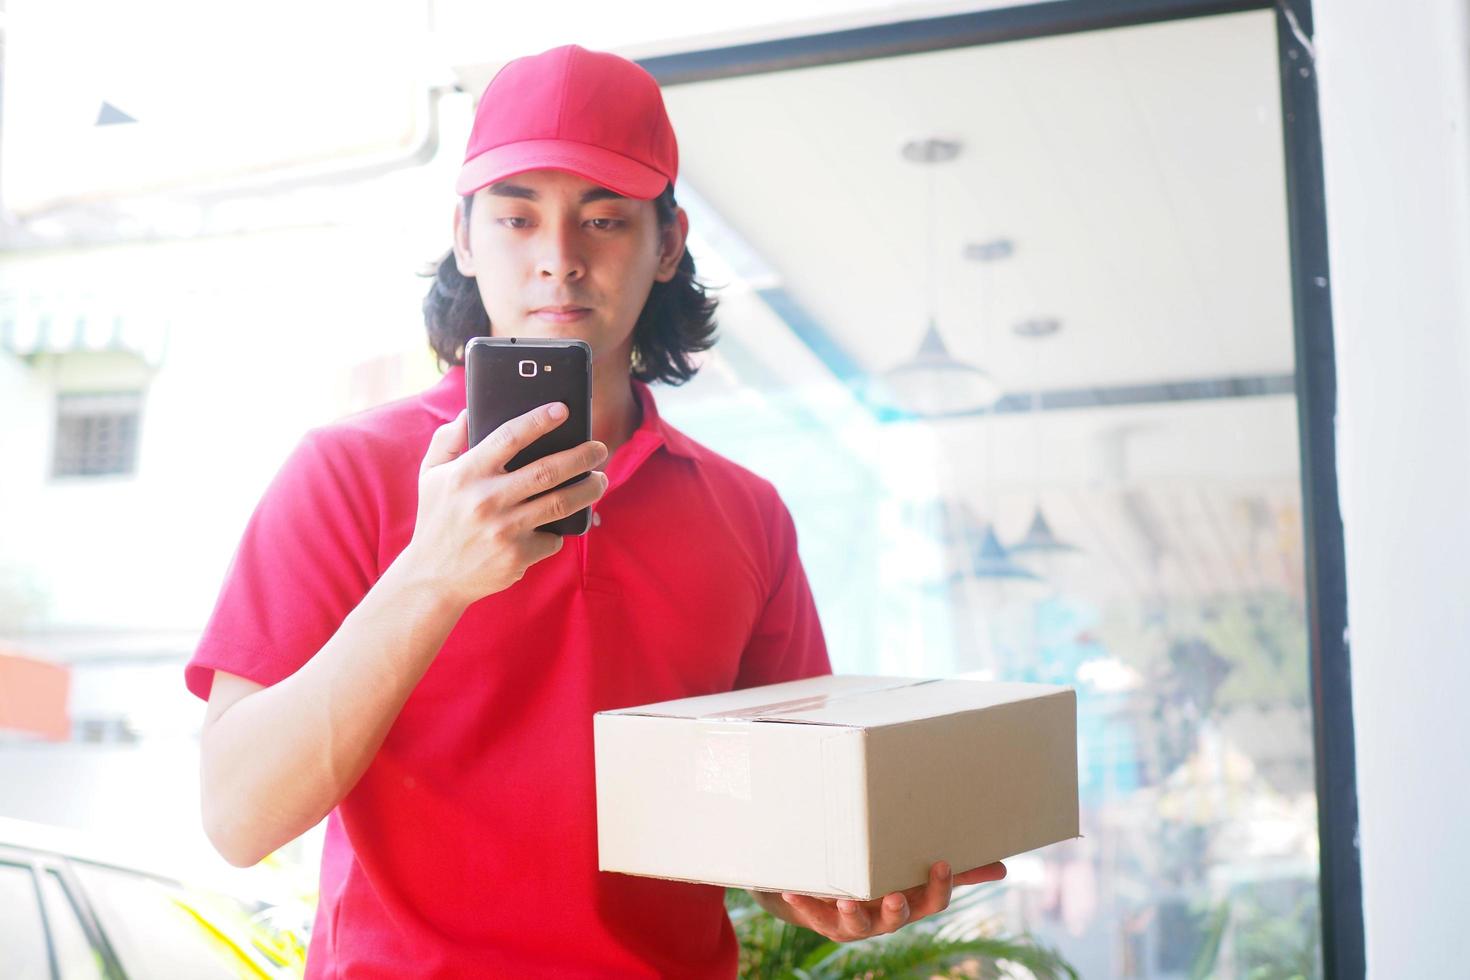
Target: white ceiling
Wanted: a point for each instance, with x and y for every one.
(1140, 174)
(1138, 171)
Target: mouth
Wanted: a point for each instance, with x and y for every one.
(560, 314)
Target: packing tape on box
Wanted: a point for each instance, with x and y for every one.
(722, 758)
(722, 764)
(796, 706)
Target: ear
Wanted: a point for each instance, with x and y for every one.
(462, 242)
(671, 246)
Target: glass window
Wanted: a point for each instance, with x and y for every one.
(151, 928)
(1010, 328)
(22, 933)
(76, 957)
(96, 435)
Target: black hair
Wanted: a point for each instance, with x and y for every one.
(677, 319)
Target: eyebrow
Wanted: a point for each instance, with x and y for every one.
(502, 189)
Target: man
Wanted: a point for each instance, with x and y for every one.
(398, 649)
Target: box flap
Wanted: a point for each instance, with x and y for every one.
(784, 702)
(913, 702)
(847, 700)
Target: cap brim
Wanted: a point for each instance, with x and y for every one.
(612, 170)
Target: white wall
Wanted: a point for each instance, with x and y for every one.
(1395, 96)
(265, 329)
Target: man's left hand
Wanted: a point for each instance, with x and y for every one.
(844, 921)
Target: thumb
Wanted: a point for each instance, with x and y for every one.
(449, 440)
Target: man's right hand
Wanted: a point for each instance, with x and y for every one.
(275, 760)
(475, 532)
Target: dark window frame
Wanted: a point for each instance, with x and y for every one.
(1340, 872)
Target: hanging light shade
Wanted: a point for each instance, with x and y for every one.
(993, 561)
(981, 555)
(1040, 539)
(933, 382)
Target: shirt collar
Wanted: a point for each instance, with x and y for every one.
(446, 399)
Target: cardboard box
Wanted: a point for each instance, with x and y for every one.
(843, 786)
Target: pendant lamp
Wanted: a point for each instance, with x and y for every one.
(1040, 540)
(934, 382)
(986, 559)
(993, 561)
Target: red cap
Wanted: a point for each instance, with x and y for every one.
(589, 113)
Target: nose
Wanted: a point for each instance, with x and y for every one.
(560, 257)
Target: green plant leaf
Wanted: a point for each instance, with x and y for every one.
(771, 949)
(920, 953)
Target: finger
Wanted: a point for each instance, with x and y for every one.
(448, 441)
(498, 448)
(854, 918)
(820, 916)
(562, 503)
(893, 913)
(935, 896)
(550, 472)
(545, 545)
(976, 876)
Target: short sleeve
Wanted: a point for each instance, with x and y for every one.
(307, 558)
(787, 642)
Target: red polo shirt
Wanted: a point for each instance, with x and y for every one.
(469, 847)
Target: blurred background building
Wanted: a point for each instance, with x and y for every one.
(1026, 321)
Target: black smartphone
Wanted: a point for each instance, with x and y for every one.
(506, 377)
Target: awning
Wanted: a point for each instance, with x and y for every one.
(61, 322)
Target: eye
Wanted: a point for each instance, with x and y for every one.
(514, 221)
(606, 224)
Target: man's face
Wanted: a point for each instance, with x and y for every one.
(556, 255)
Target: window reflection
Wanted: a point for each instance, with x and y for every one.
(1155, 431)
